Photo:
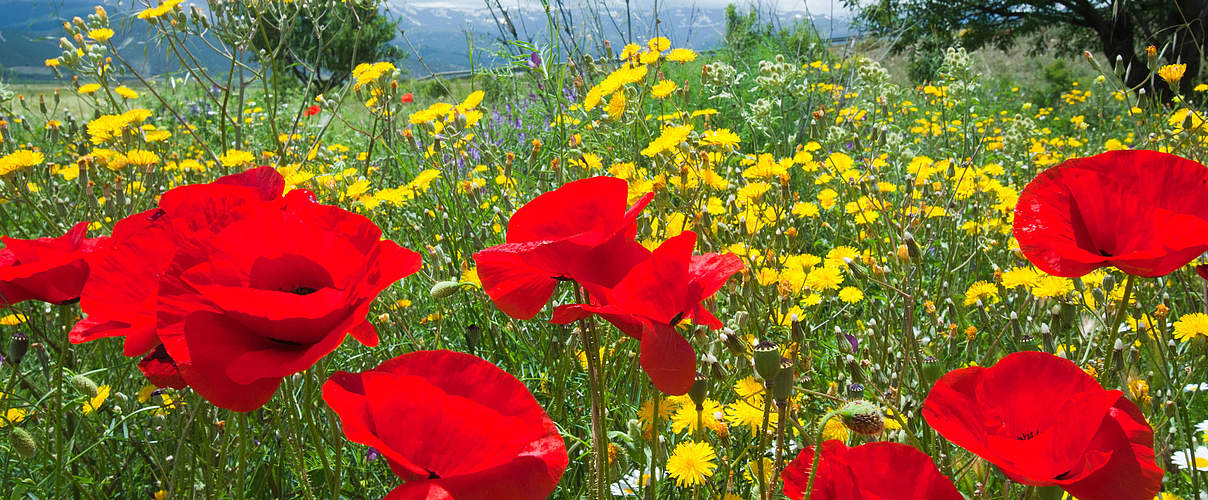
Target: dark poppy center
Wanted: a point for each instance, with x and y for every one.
(677, 318)
(562, 278)
(432, 474)
(1026, 436)
(1104, 253)
(1063, 476)
(290, 274)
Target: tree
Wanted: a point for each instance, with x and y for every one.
(320, 42)
(1119, 28)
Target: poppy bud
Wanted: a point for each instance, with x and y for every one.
(1109, 282)
(444, 289)
(23, 442)
(85, 385)
(782, 386)
(699, 390)
(862, 417)
(17, 347)
(767, 360)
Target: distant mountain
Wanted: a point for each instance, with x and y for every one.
(439, 32)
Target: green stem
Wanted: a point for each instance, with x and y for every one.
(599, 441)
(809, 488)
(1114, 332)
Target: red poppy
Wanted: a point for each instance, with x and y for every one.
(580, 231)
(1143, 212)
(873, 471)
(652, 298)
(1045, 422)
(160, 369)
(452, 426)
(47, 269)
(408, 97)
(120, 296)
(312, 110)
(241, 286)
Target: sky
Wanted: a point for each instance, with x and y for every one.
(827, 7)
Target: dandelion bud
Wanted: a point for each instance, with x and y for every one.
(699, 390)
(862, 417)
(767, 360)
(85, 385)
(857, 270)
(912, 247)
(17, 347)
(77, 21)
(23, 442)
(782, 385)
(732, 342)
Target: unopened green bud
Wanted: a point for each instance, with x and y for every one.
(23, 442)
(85, 385)
(444, 289)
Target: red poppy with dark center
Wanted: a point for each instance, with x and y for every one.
(271, 294)
(312, 110)
(873, 471)
(1143, 212)
(452, 426)
(240, 286)
(408, 97)
(47, 269)
(120, 296)
(655, 296)
(580, 231)
(1045, 422)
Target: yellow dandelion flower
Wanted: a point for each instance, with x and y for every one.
(691, 463)
(616, 105)
(52, 63)
(1172, 73)
(235, 158)
(681, 55)
(663, 89)
(851, 294)
(19, 160)
(686, 417)
(100, 34)
(1190, 326)
(126, 92)
(981, 290)
(89, 88)
(141, 158)
(94, 404)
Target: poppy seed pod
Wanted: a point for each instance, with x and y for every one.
(85, 385)
(17, 347)
(862, 417)
(699, 390)
(23, 442)
(767, 360)
(782, 385)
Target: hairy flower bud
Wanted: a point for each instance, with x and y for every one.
(862, 417)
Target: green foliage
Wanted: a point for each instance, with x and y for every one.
(320, 44)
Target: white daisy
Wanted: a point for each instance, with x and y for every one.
(1191, 459)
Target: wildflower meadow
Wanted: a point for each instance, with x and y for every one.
(776, 269)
